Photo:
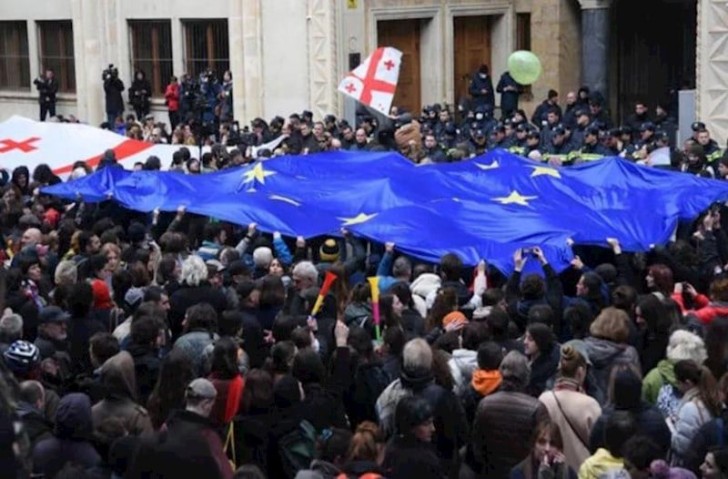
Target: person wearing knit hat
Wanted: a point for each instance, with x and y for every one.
(329, 251)
(454, 321)
(22, 358)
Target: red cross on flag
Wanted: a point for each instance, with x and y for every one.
(374, 81)
(24, 142)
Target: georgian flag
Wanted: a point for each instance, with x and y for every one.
(26, 142)
(374, 81)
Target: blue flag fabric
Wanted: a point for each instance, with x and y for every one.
(484, 208)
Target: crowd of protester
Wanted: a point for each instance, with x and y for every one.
(173, 345)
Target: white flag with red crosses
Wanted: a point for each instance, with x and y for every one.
(25, 142)
(374, 81)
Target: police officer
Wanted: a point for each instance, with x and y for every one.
(710, 147)
(592, 149)
(518, 144)
(557, 146)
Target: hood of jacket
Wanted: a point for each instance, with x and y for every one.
(603, 351)
(73, 417)
(666, 368)
(425, 284)
(486, 382)
(416, 380)
(356, 313)
(465, 360)
(117, 376)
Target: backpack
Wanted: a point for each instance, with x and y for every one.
(297, 449)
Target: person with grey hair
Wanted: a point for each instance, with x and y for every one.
(304, 283)
(11, 329)
(194, 289)
(511, 412)
(189, 445)
(417, 380)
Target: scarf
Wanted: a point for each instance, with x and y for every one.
(568, 384)
(486, 382)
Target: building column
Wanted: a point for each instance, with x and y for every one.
(595, 29)
(88, 60)
(246, 63)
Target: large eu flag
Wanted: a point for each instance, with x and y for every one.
(484, 208)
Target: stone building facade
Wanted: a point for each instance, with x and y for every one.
(289, 55)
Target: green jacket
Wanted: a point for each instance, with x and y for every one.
(655, 379)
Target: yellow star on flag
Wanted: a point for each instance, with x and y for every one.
(492, 166)
(358, 219)
(258, 173)
(514, 198)
(545, 170)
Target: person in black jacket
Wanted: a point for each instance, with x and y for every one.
(47, 87)
(113, 87)
(139, 94)
(410, 453)
(481, 89)
(510, 90)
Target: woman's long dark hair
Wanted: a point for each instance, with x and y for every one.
(224, 364)
(169, 392)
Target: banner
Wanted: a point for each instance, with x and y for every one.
(483, 208)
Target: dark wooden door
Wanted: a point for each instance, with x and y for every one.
(472, 49)
(404, 35)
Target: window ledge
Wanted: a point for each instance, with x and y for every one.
(25, 95)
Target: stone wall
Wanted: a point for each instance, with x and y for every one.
(555, 39)
(712, 67)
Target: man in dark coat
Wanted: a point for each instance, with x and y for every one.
(511, 412)
(47, 87)
(113, 87)
(481, 89)
(510, 90)
(187, 445)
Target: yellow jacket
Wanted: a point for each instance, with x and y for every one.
(599, 463)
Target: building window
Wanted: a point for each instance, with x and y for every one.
(206, 46)
(523, 31)
(151, 52)
(14, 59)
(523, 40)
(56, 52)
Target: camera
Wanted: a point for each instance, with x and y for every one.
(110, 72)
(208, 76)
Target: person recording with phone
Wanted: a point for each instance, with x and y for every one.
(47, 87)
(113, 86)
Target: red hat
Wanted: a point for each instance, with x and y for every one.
(102, 295)
(51, 217)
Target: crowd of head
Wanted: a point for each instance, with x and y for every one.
(174, 345)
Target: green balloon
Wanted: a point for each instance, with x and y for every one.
(524, 66)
